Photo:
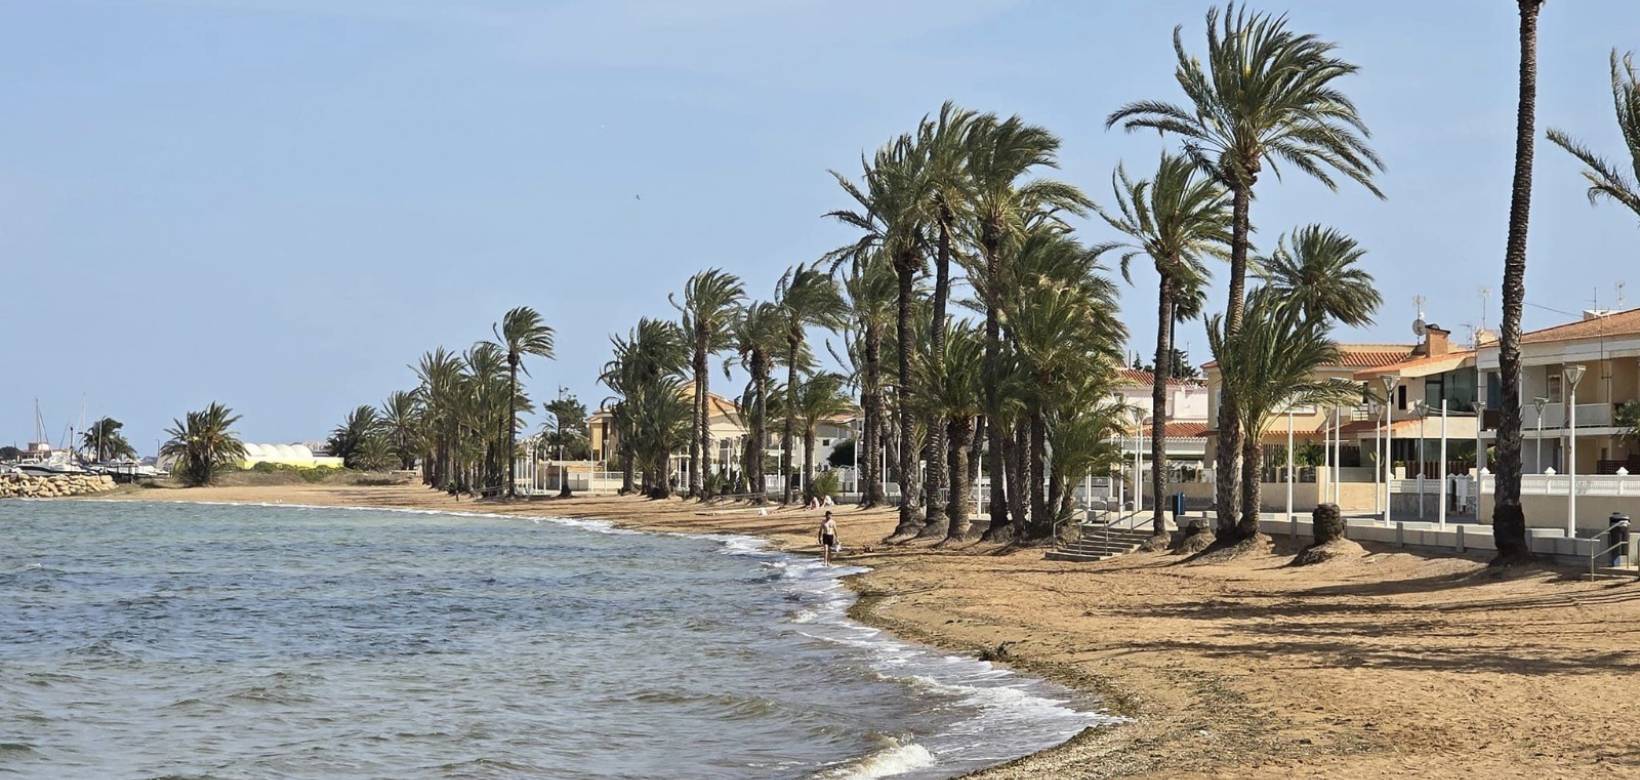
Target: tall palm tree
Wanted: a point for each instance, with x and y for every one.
(805, 296)
(943, 139)
(1605, 179)
(1177, 220)
(1318, 269)
(711, 301)
(893, 217)
(872, 289)
(105, 441)
(1271, 363)
(349, 440)
(203, 444)
(954, 378)
(758, 338)
(1267, 96)
(816, 399)
(521, 333)
(401, 418)
(1508, 518)
(1001, 152)
(648, 359)
(441, 392)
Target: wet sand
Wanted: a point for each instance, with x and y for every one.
(1387, 665)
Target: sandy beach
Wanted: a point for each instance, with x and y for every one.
(1386, 665)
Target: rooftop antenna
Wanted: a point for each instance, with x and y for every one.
(1486, 294)
(1419, 326)
(1619, 296)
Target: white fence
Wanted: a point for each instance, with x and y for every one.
(1561, 484)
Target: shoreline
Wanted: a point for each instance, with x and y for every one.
(1240, 669)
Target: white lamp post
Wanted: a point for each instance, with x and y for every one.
(1138, 462)
(1441, 518)
(1289, 465)
(1377, 453)
(1389, 381)
(1573, 374)
(1422, 410)
(1537, 449)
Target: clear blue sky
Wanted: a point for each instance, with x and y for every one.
(279, 204)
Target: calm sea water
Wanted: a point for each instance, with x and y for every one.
(152, 640)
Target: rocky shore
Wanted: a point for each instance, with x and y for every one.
(30, 486)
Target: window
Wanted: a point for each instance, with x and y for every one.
(1401, 397)
(1554, 387)
(825, 442)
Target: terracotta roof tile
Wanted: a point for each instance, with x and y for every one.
(1136, 377)
(1623, 323)
(1364, 355)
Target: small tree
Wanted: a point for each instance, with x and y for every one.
(203, 445)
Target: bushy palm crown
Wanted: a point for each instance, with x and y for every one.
(1266, 94)
(350, 438)
(894, 203)
(202, 444)
(807, 296)
(1317, 268)
(1271, 362)
(104, 439)
(819, 397)
(1062, 314)
(521, 333)
(1605, 179)
(1000, 152)
(1175, 219)
(710, 300)
(954, 378)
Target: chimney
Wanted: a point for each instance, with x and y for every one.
(1437, 340)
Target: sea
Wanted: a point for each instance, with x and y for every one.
(155, 640)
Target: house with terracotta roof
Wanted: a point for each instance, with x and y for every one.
(1184, 415)
(1606, 345)
(1434, 377)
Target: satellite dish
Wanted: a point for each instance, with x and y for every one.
(1419, 327)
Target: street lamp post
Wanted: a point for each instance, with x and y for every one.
(1377, 453)
(1573, 374)
(1389, 380)
(1442, 512)
(1422, 410)
(1289, 465)
(1539, 402)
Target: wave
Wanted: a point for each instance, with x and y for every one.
(894, 758)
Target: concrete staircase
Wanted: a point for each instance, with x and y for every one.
(1099, 543)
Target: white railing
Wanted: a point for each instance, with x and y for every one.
(1560, 485)
(1554, 416)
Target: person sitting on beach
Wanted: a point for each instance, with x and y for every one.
(828, 502)
(813, 503)
(828, 539)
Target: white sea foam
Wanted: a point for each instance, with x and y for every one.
(895, 759)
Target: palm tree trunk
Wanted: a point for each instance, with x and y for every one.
(627, 467)
(1508, 516)
(994, 434)
(1252, 460)
(1038, 469)
(981, 427)
(1158, 404)
(934, 523)
(789, 432)
(1228, 453)
(760, 429)
(808, 463)
(1016, 449)
(874, 414)
(696, 415)
(962, 435)
(908, 524)
(705, 440)
(512, 427)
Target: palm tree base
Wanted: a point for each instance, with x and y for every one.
(934, 527)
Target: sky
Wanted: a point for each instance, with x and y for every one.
(280, 204)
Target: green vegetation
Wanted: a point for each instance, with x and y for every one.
(105, 442)
(203, 445)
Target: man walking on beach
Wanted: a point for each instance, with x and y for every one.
(828, 538)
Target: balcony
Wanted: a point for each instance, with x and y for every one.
(1554, 417)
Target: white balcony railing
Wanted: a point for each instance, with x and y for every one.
(1554, 416)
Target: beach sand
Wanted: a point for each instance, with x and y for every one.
(1390, 665)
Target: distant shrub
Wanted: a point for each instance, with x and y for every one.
(827, 484)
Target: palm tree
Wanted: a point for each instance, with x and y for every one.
(401, 418)
(1271, 364)
(943, 139)
(440, 393)
(490, 406)
(872, 288)
(1317, 268)
(348, 440)
(711, 300)
(203, 444)
(646, 361)
(1000, 154)
(758, 338)
(1508, 517)
(1176, 220)
(893, 218)
(954, 378)
(1268, 95)
(805, 296)
(521, 333)
(106, 442)
(816, 399)
(1605, 180)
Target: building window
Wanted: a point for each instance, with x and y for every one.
(825, 442)
(1554, 387)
